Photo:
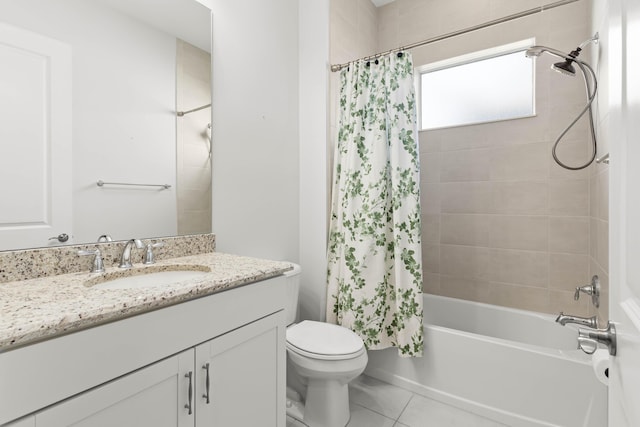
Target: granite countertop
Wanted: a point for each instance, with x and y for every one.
(42, 308)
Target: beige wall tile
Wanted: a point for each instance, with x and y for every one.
(465, 165)
(520, 197)
(593, 196)
(462, 138)
(602, 235)
(562, 301)
(430, 258)
(431, 283)
(466, 197)
(518, 267)
(569, 234)
(568, 271)
(571, 153)
(521, 297)
(569, 197)
(430, 199)
(519, 232)
(516, 132)
(464, 261)
(429, 141)
(468, 289)
(520, 162)
(461, 229)
(593, 238)
(602, 195)
(429, 168)
(431, 229)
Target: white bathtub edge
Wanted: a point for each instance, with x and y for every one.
(492, 413)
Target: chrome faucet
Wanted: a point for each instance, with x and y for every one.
(590, 322)
(98, 264)
(588, 339)
(125, 260)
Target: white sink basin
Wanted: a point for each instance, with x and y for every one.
(147, 277)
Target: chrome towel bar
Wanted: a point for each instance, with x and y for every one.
(101, 183)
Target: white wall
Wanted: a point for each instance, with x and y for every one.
(314, 87)
(255, 128)
(270, 88)
(123, 114)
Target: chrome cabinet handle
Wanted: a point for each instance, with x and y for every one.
(188, 405)
(206, 382)
(60, 237)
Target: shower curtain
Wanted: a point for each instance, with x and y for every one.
(374, 283)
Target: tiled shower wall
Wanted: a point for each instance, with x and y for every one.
(599, 175)
(502, 223)
(193, 139)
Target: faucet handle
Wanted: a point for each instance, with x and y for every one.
(587, 345)
(149, 257)
(604, 336)
(98, 264)
(592, 289)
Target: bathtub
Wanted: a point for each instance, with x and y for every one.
(516, 367)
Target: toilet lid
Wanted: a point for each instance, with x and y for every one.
(323, 338)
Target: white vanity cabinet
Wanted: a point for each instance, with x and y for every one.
(150, 396)
(218, 360)
(244, 369)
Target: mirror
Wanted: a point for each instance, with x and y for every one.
(122, 69)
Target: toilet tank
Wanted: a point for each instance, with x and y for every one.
(293, 290)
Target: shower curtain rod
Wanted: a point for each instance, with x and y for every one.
(182, 113)
(338, 67)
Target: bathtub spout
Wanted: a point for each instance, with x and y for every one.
(590, 322)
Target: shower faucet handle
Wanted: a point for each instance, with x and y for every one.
(588, 337)
(587, 345)
(592, 289)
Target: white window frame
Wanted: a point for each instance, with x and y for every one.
(519, 46)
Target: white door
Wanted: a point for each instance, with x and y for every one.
(624, 388)
(35, 139)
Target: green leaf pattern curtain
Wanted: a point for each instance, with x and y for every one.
(374, 256)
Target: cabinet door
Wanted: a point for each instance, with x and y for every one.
(154, 396)
(246, 370)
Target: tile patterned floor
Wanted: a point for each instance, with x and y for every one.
(378, 404)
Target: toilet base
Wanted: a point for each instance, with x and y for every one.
(295, 410)
(327, 404)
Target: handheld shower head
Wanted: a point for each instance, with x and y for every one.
(566, 67)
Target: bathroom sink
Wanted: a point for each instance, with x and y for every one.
(148, 277)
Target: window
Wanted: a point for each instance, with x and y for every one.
(491, 85)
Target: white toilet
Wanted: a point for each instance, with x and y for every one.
(321, 361)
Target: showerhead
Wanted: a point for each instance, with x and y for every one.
(566, 67)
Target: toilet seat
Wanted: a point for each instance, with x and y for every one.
(323, 341)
